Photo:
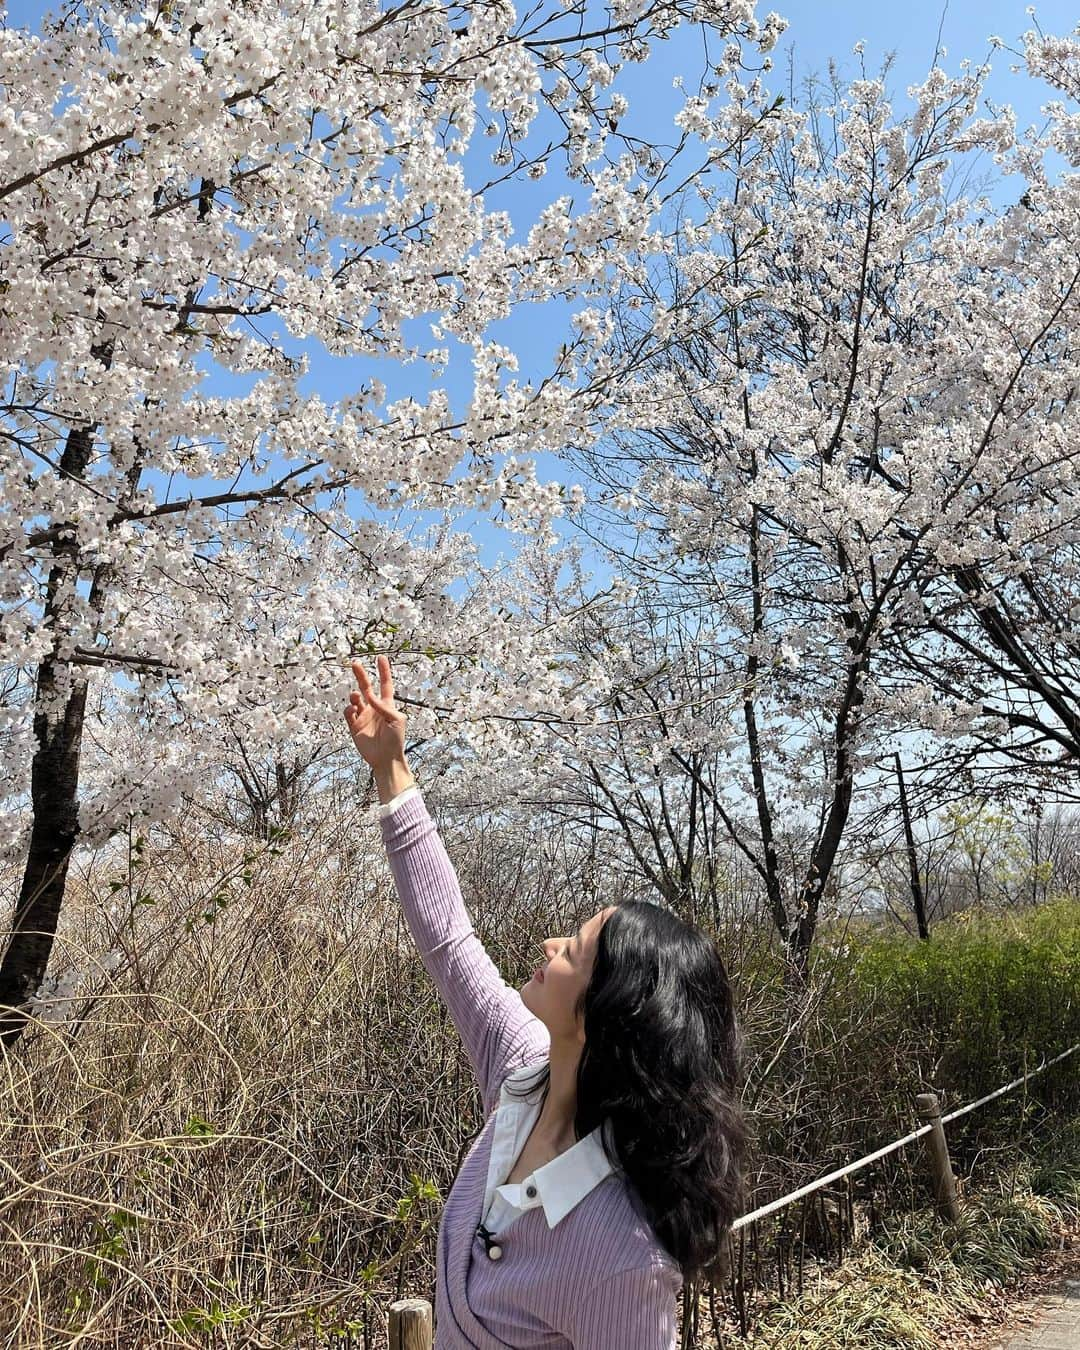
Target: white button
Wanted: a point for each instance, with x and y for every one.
(494, 1252)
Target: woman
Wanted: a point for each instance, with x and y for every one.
(609, 1168)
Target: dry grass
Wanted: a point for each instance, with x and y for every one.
(244, 1129)
(917, 1280)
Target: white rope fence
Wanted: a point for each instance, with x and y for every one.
(891, 1148)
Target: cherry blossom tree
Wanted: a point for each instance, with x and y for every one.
(1004, 610)
(863, 387)
(866, 401)
(181, 186)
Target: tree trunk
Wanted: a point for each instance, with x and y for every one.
(917, 898)
(54, 794)
(802, 1126)
(54, 781)
(60, 709)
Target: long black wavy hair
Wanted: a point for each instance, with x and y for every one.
(662, 1062)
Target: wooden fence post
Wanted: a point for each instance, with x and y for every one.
(410, 1324)
(937, 1151)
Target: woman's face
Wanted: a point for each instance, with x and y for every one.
(552, 992)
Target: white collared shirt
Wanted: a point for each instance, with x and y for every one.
(559, 1184)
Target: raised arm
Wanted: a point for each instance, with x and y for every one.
(498, 1031)
(496, 1028)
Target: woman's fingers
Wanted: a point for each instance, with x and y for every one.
(362, 680)
(386, 683)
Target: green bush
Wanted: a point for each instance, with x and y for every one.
(988, 997)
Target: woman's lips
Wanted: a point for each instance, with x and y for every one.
(538, 974)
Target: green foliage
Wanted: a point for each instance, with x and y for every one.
(993, 1239)
(204, 1320)
(1055, 1170)
(986, 999)
(420, 1192)
(101, 1265)
(329, 1324)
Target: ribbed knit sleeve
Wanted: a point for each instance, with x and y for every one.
(632, 1308)
(498, 1031)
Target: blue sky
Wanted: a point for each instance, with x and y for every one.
(816, 32)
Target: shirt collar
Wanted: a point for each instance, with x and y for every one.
(566, 1180)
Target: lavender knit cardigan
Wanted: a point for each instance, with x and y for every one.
(597, 1280)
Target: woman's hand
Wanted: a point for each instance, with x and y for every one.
(378, 728)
